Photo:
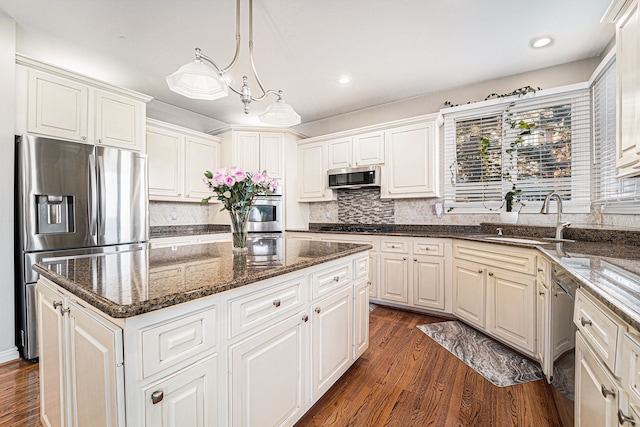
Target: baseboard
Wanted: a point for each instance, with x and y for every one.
(9, 355)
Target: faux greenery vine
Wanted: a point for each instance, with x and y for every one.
(524, 128)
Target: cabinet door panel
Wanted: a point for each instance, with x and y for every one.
(271, 159)
(269, 370)
(411, 162)
(201, 156)
(57, 107)
(118, 121)
(428, 283)
(189, 397)
(166, 163)
(96, 369)
(394, 278)
(511, 309)
(361, 318)
(247, 151)
(331, 340)
(469, 292)
(52, 353)
(312, 172)
(593, 408)
(340, 153)
(368, 149)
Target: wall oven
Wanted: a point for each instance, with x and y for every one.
(266, 215)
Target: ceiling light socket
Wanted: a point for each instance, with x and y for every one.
(540, 42)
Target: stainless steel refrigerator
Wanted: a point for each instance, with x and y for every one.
(72, 200)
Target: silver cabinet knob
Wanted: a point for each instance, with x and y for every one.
(622, 418)
(57, 304)
(541, 293)
(317, 310)
(491, 274)
(305, 318)
(606, 392)
(157, 396)
(336, 278)
(276, 303)
(540, 269)
(585, 322)
(480, 271)
(64, 310)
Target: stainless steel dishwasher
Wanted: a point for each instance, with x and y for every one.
(563, 335)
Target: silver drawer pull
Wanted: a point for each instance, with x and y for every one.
(157, 396)
(317, 310)
(276, 303)
(541, 293)
(585, 322)
(606, 392)
(540, 270)
(336, 278)
(57, 304)
(64, 310)
(622, 418)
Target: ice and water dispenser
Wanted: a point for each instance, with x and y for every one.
(55, 214)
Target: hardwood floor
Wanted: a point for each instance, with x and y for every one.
(404, 379)
(19, 394)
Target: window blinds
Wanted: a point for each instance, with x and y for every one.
(617, 195)
(485, 157)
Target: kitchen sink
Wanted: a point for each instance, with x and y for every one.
(516, 240)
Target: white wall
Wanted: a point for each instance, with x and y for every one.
(545, 78)
(8, 350)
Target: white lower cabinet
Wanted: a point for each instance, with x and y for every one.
(331, 340)
(81, 364)
(596, 391)
(361, 316)
(394, 278)
(187, 398)
(267, 375)
(469, 291)
(428, 282)
(494, 289)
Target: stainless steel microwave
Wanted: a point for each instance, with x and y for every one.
(265, 215)
(367, 176)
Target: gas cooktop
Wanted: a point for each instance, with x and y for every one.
(358, 228)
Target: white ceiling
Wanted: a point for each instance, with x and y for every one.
(393, 49)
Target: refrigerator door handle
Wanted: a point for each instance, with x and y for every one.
(101, 191)
(92, 205)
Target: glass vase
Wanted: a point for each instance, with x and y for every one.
(239, 218)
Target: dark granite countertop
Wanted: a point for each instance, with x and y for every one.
(126, 284)
(606, 262)
(186, 230)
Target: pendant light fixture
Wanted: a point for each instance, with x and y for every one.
(198, 80)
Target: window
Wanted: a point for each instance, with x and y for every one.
(491, 146)
(616, 195)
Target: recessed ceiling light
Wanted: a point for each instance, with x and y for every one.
(539, 42)
(344, 80)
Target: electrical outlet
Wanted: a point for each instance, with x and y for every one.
(327, 214)
(174, 215)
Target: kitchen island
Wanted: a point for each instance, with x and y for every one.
(196, 336)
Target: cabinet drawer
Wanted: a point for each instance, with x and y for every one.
(427, 247)
(326, 281)
(397, 246)
(361, 267)
(509, 258)
(177, 339)
(260, 308)
(598, 328)
(631, 366)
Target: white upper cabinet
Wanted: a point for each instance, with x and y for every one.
(628, 90)
(57, 107)
(254, 151)
(178, 159)
(412, 164)
(119, 121)
(60, 104)
(359, 150)
(312, 172)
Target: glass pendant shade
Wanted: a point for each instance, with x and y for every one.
(280, 114)
(197, 80)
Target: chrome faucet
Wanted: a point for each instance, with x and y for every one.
(560, 225)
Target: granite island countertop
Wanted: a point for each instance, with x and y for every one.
(126, 284)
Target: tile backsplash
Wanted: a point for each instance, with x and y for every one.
(364, 206)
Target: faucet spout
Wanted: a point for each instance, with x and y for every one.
(560, 225)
